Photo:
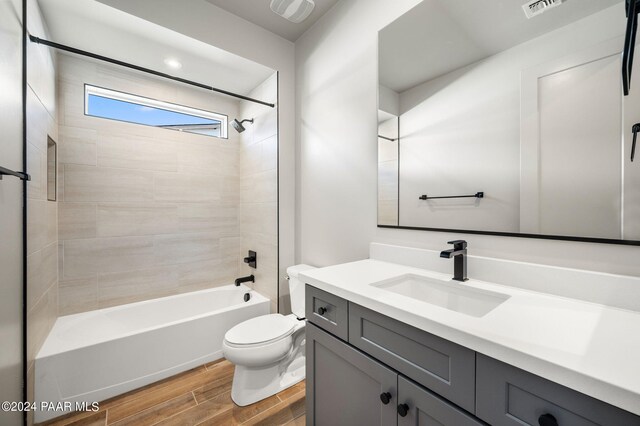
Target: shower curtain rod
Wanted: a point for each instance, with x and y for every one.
(59, 46)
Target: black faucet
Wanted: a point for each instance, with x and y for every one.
(459, 254)
(249, 279)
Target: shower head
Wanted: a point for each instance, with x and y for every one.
(238, 124)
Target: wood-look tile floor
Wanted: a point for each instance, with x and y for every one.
(201, 396)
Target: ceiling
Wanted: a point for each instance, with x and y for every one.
(259, 13)
(96, 27)
(439, 36)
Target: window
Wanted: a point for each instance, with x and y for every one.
(106, 103)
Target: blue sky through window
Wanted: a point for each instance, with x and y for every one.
(114, 109)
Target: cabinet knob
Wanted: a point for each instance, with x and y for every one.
(547, 420)
(322, 310)
(385, 398)
(403, 410)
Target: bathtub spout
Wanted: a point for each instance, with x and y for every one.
(248, 279)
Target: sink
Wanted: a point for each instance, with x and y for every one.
(450, 295)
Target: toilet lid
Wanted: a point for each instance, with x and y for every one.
(260, 329)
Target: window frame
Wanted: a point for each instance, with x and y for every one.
(90, 89)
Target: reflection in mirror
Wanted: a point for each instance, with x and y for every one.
(388, 128)
(528, 111)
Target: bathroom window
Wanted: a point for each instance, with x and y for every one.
(120, 106)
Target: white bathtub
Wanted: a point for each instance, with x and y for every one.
(96, 355)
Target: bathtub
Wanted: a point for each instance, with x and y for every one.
(97, 355)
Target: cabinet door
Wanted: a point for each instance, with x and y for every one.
(417, 406)
(344, 386)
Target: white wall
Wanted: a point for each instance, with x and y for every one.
(388, 100)
(336, 63)
(210, 24)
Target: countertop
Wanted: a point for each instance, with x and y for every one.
(592, 348)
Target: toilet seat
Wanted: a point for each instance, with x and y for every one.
(260, 330)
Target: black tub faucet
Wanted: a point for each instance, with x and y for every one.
(249, 279)
(459, 254)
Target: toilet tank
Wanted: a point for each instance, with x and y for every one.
(296, 289)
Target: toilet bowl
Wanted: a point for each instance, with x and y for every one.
(268, 351)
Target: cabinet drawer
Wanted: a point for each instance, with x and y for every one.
(444, 367)
(327, 311)
(507, 395)
(426, 408)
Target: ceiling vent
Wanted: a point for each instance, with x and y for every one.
(536, 7)
(295, 11)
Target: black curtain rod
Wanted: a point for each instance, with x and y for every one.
(59, 46)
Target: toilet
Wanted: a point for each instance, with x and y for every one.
(268, 351)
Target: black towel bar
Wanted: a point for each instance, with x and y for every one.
(476, 195)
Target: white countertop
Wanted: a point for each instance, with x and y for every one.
(592, 348)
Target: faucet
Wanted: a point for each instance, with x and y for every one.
(459, 254)
(248, 279)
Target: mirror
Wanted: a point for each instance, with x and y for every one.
(507, 124)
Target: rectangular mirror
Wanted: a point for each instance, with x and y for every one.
(507, 124)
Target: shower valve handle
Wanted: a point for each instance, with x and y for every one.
(252, 259)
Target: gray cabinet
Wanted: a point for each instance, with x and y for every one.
(424, 408)
(344, 386)
(509, 396)
(442, 366)
(347, 387)
(364, 368)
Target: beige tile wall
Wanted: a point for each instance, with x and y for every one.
(42, 223)
(259, 189)
(144, 212)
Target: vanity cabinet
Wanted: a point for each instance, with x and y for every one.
(347, 387)
(424, 408)
(364, 368)
(509, 396)
(442, 366)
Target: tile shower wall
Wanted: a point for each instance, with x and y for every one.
(42, 232)
(259, 191)
(143, 212)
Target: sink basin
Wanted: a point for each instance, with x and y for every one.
(445, 294)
